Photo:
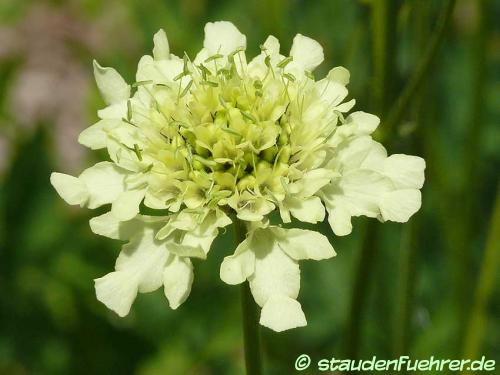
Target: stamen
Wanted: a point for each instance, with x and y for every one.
(284, 62)
(249, 116)
(142, 83)
(186, 89)
(213, 57)
(137, 151)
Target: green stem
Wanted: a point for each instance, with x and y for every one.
(467, 226)
(489, 270)
(383, 18)
(360, 291)
(396, 113)
(406, 287)
(250, 311)
(410, 243)
(383, 14)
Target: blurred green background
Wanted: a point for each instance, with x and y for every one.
(429, 287)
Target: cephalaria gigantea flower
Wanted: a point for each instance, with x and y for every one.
(203, 142)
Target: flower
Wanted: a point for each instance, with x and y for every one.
(207, 141)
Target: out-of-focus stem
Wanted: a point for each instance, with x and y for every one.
(466, 224)
(360, 291)
(410, 243)
(396, 113)
(251, 328)
(407, 270)
(383, 14)
(473, 319)
(484, 288)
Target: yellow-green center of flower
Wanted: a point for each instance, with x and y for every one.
(219, 134)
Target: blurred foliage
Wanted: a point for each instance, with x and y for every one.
(422, 282)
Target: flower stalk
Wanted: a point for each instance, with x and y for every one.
(250, 315)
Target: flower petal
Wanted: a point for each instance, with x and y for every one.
(340, 75)
(340, 220)
(126, 206)
(307, 52)
(104, 181)
(70, 188)
(406, 171)
(177, 280)
(362, 122)
(331, 92)
(272, 45)
(281, 313)
(308, 210)
(371, 184)
(116, 111)
(144, 258)
(304, 244)
(275, 272)
(95, 137)
(117, 291)
(311, 182)
(236, 268)
(223, 37)
(108, 225)
(400, 205)
(112, 86)
(161, 50)
(189, 246)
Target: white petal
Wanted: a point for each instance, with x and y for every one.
(70, 188)
(331, 92)
(112, 86)
(126, 206)
(308, 210)
(108, 225)
(346, 107)
(307, 52)
(117, 291)
(406, 171)
(272, 46)
(139, 268)
(177, 280)
(162, 71)
(161, 50)
(362, 153)
(311, 182)
(340, 75)
(371, 183)
(95, 136)
(238, 267)
(362, 122)
(223, 37)
(361, 192)
(144, 258)
(104, 181)
(304, 244)
(340, 221)
(116, 111)
(281, 313)
(185, 220)
(275, 272)
(400, 205)
(356, 194)
(189, 247)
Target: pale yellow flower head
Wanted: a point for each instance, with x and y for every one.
(204, 140)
